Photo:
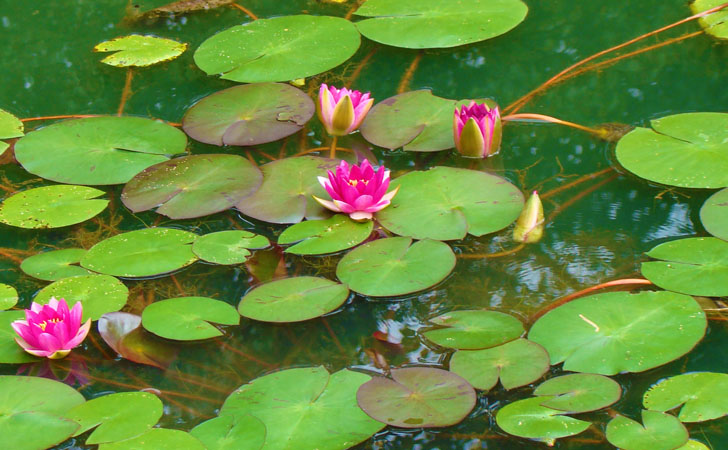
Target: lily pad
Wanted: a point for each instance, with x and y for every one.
(8, 296)
(659, 432)
(579, 393)
(714, 214)
(516, 363)
(124, 334)
(252, 114)
(52, 206)
(293, 299)
(139, 51)
(278, 49)
(686, 150)
(228, 247)
(99, 294)
(192, 186)
(10, 126)
(694, 266)
(142, 253)
(474, 329)
(188, 318)
(715, 24)
(158, 439)
(417, 397)
(436, 24)
(445, 203)
(231, 433)
(528, 418)
(395, 266)
(318, 237)
(54, 265)
(10, 351)
(694, 445)
(620, 332)
(98, 150)
(703, 396)
(307, 408)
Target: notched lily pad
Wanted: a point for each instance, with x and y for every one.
(188, 318)
(318, 237)
(228, 247)
(55, 264)
(231, 433)
(579, 393)
(139, 51)
(659, 432)
(528, 418)
(714, 214)
(702, 395)
(99, 294)
(8, 296)
(123, 333)
(157, 439)
(474, 329)
(52, 206)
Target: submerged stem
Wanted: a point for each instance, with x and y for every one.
(248, 12)
(126, 92)
(407, 77)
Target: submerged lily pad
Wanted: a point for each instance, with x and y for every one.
(188, 318)
(579, 393)
(228, 247)
(8, 296)
(123, 333)
(659, 432)
(99, 294)
(252, 114)
(714, 214)
(474, 329)
(139, 51)
(715, 24)
(231, 433)
(52, 206)
(10, 351)
(54, 265)
(703, 396)
(278, 49)
(318, 237)
(528, 418)
(98, 150)
(157, 439)
(620, 332)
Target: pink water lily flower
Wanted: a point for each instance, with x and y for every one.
(51, 330)
(342, 110)
(477, 130)
(358, 190)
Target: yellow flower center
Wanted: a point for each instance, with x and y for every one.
(355, 182)
(44, 324)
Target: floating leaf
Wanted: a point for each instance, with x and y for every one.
(660, 432)
(620, 332)
(715, 24)
(139, 51)
(157, 439)
(293, 299)
(694, 445)
(10, 126)
(703, 396)
(188, 318)
(10, 351)
(474, 329)
(54, 265)
(445, 203)
(318, 237)
(278, 49)
(228, 247)
(417, 397)
(395, 266)
(52, 206)
(528, 418)
(231, 433)
(99, 294)
(579, 393)
(8, 297)
(123, 333)
(98, 150)
(252, 114)
(714, 214)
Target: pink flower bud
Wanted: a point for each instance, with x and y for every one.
(477, 130)
(342, 110)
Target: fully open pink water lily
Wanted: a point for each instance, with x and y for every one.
(477, 130)
(51, 330)
(342, 110)
(357, 190)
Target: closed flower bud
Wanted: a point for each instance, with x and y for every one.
(477, 130)
(529, 226)
(342, 110)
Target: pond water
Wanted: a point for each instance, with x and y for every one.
(597, 230)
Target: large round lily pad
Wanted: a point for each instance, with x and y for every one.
(99, 294)
(188, 318)
(580, 392)
(231, 433)
(10, 351)
(528, 418)
(659, 432)
(228, 247)
(715, 24)
(318, 237)
(685, 150)
(445, 203)
(307, 408)
(620, 332)
(8, 296)
(157, 439)
(252, 114)
(435, 23)
(474, 329)
(54, 265)
(139, 51)
(417, 397)
(702, 395)
(52, 206)
(395, 266)
(694, 266)
(714, 214)
(278, 49)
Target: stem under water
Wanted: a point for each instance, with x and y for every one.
(248, 12)
(126, 92)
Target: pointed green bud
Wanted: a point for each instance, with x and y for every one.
(343, 117)
(471, 140)
(530, 224)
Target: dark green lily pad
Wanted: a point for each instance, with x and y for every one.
(98, 150)
(99, 294)
(307, 408)
(659, 432)
(231, 433)
(52, 206)
(703, 396)
(318, 237)
(158, 439)
(685, 150)
(54, 265)
(293, 299)
(715, 24)
(435, 24)
(445, 203)
(516, 363)
(142, 253)
(620, 332)
(694, 266)
(139, 51)
(252, 114)
(10, 126)
(8, 296)
(10, 351)
(714, 214)
(528, 418)
(278, 49)
(579, 393)
(188, 318)
(474, 329)
(228, 247)
(123, 333)
(395, 266)
(192, 186)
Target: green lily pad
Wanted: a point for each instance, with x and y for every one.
(715, 24)
(119, 416)
(123, 333)
(99, 294)
(620, 332)
(694, 266)
(293, 299)
(98, 150)
(516, 363)
(474, 329)
(139, 51)
(278, 49)
(694, 445)
(436, 24)
(157, 439)
(54, 265)
(703, 396)
(714, 214)
(188, 318)
(286, 195)
(228, 247)
(445, 203)
(528, 418)
(10, 126)
(395, 266)
(52, 206)
(8, 297)
(192, 186)
(10, 351)
(579, 393)
(417, 397)
(318, 237)
(307, 408)
(231, 433)
(252, 114)
(686, 150)
(659, 432)
(142, 253)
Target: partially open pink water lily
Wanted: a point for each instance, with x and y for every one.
(357, 190)
(51, 330)
(477, 130)
(342, 110)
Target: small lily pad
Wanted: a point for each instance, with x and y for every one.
(157, 439)
(8, 296)
(139, 51)
(703, 396)
(659, 432)
(10, 351)
(52, 206)
(123, 333)
(528, 418)
(228, 247)
(99, 294)
(714, 214)
(54, 265)
(231, 433)
(188, 318)
(473, 330)
(579, 393)
(715, 24)
(10, 126)
(694, 445)
(318, 237)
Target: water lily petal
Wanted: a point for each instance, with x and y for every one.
(327, 204)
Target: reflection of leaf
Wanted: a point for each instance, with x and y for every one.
(123, 334)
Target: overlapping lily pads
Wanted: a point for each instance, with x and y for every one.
(52, 206)
(139, 51)
(578, 393)
(228, 247)
(124, 334)
(715, 24)
(55, 264)
(714, 214)
(188, 318)
(157, 439)
(659, 432)
(99, 294)
(231, 433)
(702, 395)
(474, 329)
(528, 418)
(318, 237)
(8, 296)
(10, 351)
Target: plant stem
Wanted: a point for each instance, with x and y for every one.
(248, 12)
(407, 77)
(587, 177)
(62, 116)
(126, 92)
(541, 117)
(332, 152)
